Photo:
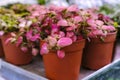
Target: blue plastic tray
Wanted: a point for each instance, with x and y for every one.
(109, 72)
(11, 72)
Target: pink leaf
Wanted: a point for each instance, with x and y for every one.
(35, 37)
(32, 37)
(95, 33)
(61, 34)
(65, 41)
(24, 49)
(108, 28)
(100, 23)
(70, 34)
(1, 33)
(60, 54)
(74, 38)
(71, 28)
(44, 49)
(22, 24)
(91, 22)
(57, 8)
(29, 35)
(73, 8)
(77, 19)
(13, 34)
(34, 51)
(29, 23)
(52, 41)
(62, 23)
(8, 40)
(19, 41)
(98, 32)
(111, 28)
(55, 28)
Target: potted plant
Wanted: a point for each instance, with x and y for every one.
(11, 24)
(2, 11)
(61, 40)
(101, 36)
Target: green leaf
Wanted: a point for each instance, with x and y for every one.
(115, 24)
(102, 39)
(41, 1)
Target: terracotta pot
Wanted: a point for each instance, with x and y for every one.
(1, 49)
(66, 68)
(14, 54)
(97, 53)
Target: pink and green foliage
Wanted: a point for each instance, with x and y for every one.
(59, 27)
(62, 26)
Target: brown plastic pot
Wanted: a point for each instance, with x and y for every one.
(67, 68)
(14, 54)
(1, 49)
(97, 53)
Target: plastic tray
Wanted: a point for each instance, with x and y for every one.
(11, 72)
(109, 72)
